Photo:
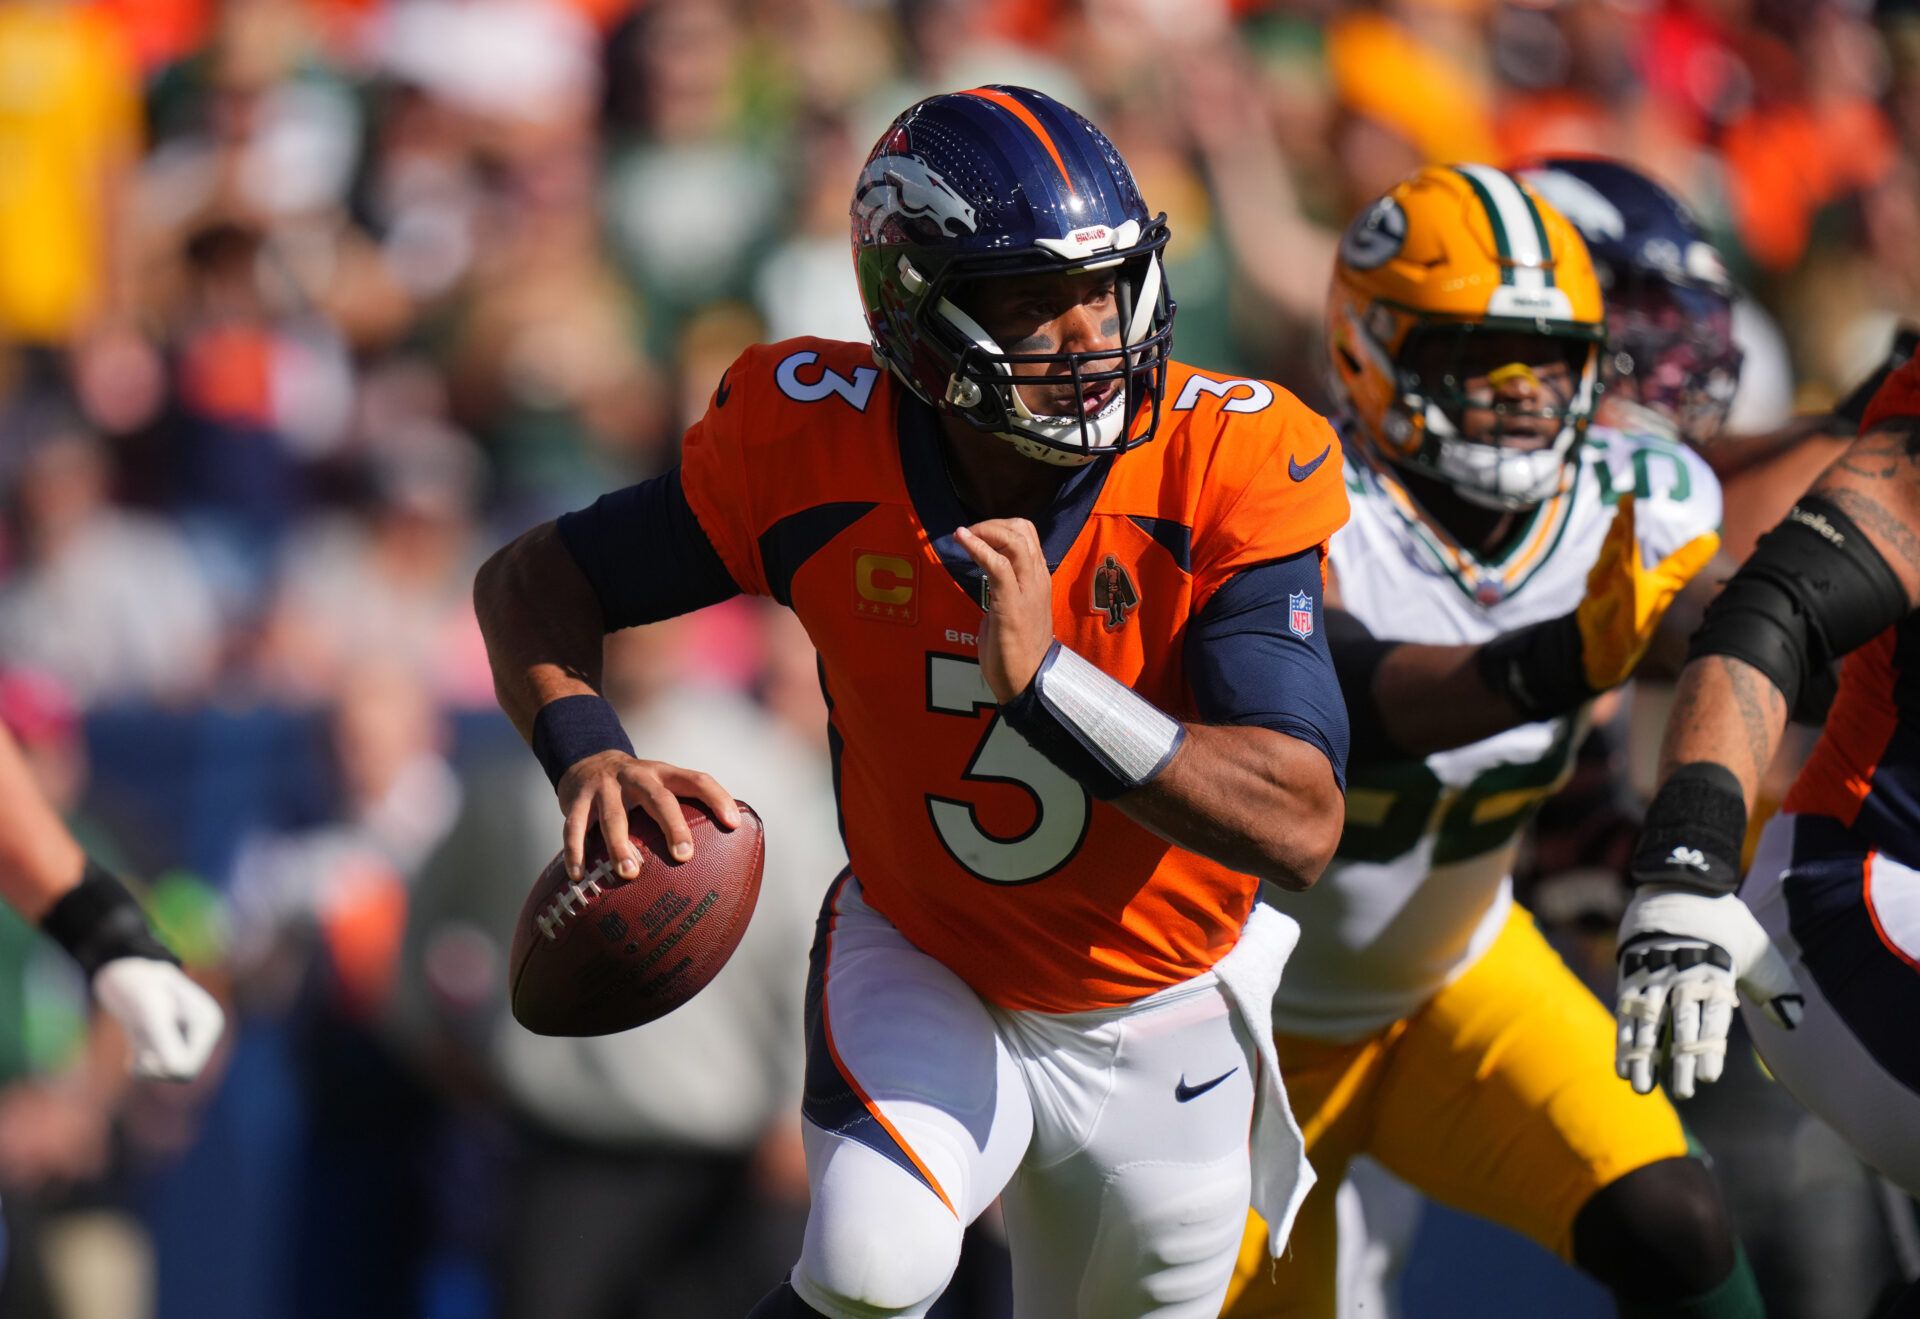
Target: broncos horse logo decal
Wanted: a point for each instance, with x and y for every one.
(903, 189)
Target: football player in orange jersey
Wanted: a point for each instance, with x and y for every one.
(1823, 937)
(1066, 595)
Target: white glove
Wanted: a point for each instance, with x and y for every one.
(171, 1022)
(1681, 955)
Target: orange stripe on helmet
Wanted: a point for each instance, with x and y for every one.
(1026, 116)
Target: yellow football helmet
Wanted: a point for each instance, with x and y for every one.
(1453, 251)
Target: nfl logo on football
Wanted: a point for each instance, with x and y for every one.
(1300, 614)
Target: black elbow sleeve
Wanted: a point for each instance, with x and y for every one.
(1814, 589)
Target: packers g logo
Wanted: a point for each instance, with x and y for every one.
(1376, 235)
(883, 587)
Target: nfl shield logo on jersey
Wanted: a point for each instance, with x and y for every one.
(1300, 611)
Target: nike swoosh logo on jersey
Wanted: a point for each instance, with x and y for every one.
(1299, 473)
(1183, 1092)
(724, 389)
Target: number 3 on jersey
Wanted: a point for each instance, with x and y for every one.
(955, 686)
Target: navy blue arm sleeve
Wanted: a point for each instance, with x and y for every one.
(1257, 654)
(646, 554)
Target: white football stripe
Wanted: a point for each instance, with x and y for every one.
(1516, 215)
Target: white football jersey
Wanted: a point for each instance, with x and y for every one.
(1422, 879)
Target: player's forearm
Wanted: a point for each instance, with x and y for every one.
(1727, 713)
(39, 859)
(1729, 459)
(1726, 722)
(1843, 566)
(1433, 698)
(542, 625)
(1407, 699)
(1252, 799)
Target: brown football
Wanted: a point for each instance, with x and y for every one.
(607, 954)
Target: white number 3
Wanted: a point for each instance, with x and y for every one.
(1060, 806)
(1258, 396)
(855, 391)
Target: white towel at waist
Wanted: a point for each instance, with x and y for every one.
(1249, 975)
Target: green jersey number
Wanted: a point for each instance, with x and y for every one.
(1391, 807)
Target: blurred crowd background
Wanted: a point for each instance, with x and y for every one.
(305, 305)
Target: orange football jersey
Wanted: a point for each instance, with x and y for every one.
(818, 490)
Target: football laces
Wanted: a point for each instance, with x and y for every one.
(571, 899)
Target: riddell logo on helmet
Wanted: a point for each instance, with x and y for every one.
(1097, 234)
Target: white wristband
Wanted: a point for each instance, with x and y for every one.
(1105, 734)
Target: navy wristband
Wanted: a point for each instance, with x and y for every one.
(575, 727)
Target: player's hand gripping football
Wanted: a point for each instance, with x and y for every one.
(604, 785)
(1626, 598)
(1018, 629)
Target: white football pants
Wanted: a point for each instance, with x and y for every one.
(1117, 1140)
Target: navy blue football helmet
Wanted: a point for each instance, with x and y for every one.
(1669, 300)
(999, 182)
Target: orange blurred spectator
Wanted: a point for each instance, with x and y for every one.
(338, 890)
(1789, 101)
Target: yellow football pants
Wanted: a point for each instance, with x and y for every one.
(1498, 1098)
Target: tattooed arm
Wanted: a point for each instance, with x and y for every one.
(1728, 712)
(1841, 568)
